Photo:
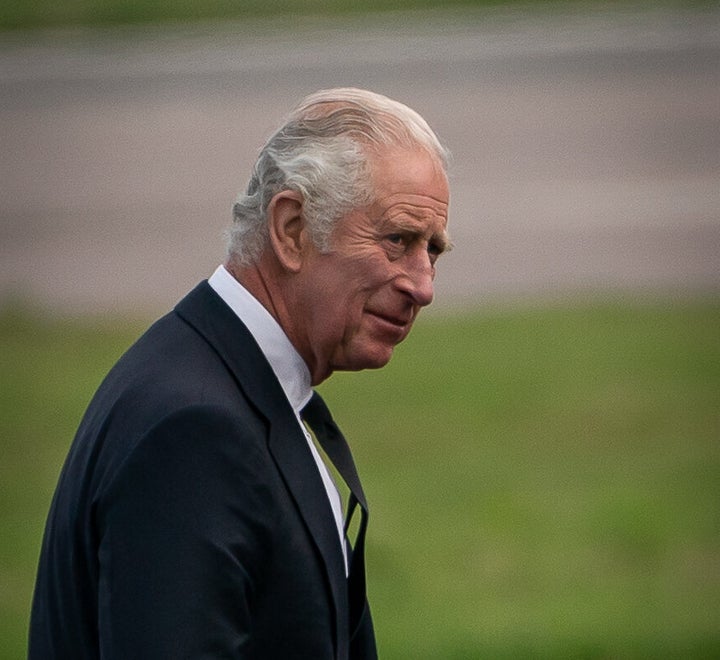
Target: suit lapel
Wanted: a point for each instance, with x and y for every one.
(205, 311)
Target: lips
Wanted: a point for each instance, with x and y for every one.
(394, 327)
(400, 320)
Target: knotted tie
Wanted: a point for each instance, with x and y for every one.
(331, 439)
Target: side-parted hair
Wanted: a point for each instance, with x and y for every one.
(322, 152)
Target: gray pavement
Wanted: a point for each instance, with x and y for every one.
(586, 147)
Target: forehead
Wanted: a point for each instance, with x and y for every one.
(412, 184)
(397, 171)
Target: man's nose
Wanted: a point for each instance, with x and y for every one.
(417, 278)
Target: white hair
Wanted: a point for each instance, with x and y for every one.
(322, 152)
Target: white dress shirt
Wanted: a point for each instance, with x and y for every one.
(290, 369)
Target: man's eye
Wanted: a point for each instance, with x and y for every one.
(395, 239)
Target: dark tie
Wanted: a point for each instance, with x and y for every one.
(331, 439)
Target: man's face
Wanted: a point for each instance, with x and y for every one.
(360, 299)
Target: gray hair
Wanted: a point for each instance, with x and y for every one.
(323, 152)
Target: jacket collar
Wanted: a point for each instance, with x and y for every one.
(210, 316)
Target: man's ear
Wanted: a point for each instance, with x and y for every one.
(288, 233)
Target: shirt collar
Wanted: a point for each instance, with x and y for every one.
(290, 369)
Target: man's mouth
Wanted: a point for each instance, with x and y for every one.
(400, 322)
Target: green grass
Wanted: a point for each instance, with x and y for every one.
(544, 482)
(103, 13)
(49, 13)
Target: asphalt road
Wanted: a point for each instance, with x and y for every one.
(586, 148)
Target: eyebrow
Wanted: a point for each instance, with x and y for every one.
(444, 241)
(411, 224)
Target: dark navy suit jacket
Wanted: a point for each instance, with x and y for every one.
(190, 520)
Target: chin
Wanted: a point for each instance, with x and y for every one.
(374, 358)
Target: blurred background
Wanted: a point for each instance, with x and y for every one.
(543, 454)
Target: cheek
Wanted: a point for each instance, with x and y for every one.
(335, 313)
(342, 291)
(343, 320)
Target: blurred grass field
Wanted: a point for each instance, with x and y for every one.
(48, 13)
(106, 13)
(544, 480)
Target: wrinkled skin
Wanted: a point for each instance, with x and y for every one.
(360, 299)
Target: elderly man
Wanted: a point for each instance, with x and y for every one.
(195, 516)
